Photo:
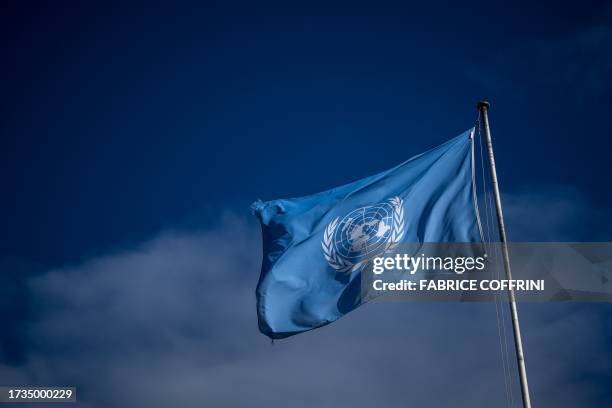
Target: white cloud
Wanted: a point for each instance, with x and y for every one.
(172, 322)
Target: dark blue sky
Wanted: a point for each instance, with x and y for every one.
(119, 121)
(134, 139)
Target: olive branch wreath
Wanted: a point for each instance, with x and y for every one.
(342, 265)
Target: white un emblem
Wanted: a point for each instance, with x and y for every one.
(363, 234)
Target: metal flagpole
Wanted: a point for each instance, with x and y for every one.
(483, 107)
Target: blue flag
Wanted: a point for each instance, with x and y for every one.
(314, 246)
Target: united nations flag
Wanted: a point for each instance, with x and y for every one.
(315, 247)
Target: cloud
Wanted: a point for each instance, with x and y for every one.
(172, 322)
(550, 213)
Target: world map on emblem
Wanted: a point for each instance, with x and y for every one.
(351, 241)
(364, 232)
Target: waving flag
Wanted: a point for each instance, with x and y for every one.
(316, 246)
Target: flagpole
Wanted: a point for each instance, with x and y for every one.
(483, 107)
